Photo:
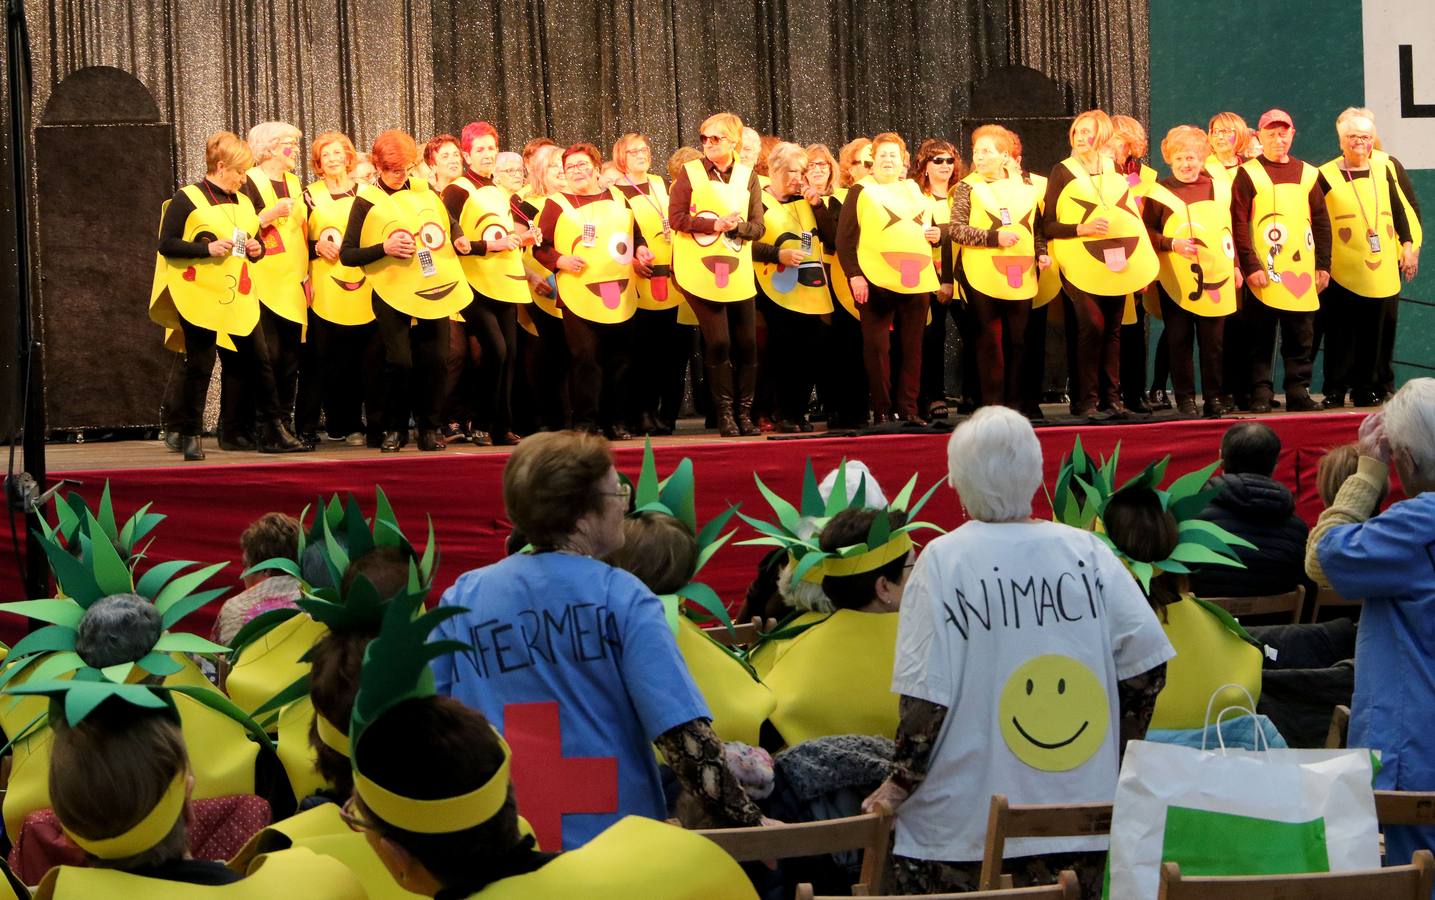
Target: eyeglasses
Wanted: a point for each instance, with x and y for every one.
(623, 492)
(354, 821)
(819, 165)
(713, 138)
(639, 151)
(944, 160)
(578, 167)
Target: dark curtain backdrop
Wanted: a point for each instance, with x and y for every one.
(812, 70)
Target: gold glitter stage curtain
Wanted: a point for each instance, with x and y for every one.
(352, 66)
(811, 70)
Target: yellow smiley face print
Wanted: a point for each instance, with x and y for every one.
(1053, 713)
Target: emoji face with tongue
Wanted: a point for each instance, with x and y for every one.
(1006, 273)
(1121, 261)
(1204, 285)
(606, 290)
(891, 245)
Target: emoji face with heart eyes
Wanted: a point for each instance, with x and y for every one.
(1053, 713)
(1354, 261)
(1121, 261)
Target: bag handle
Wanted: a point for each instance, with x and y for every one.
(1260, 732)
(1251, 706)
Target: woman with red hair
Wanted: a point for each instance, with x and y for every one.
(402, 237)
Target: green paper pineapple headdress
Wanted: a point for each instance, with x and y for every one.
(798, 529)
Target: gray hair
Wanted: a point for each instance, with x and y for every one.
(507, 156)
(1354, 112)
(801, 594)
(117, 629)
(1410, 423)
(784, 155)
(265, 137)
(994, 464)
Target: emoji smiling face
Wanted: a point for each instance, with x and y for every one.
(1122, 261)
(1053, 713)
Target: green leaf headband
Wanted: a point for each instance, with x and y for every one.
(676, 496)
(810, 562)
(396, 668)
(73, 517)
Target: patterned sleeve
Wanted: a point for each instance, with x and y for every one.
(961, 232)
(1136, 697)
(696, 756)
(917, 731)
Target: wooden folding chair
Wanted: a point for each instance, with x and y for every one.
(1405, 807)
(1066, 888)
(1412, 882)
(1339, 726)
(1275, 604)
(1327, 598)
(869, 833)
(1037, 820)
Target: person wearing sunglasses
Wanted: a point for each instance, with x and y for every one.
(715, 211)
(937, 172)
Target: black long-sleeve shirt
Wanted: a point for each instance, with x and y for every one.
(764, 252)
(680, 199)
(171, 228)
(1243, 193)
(454, 198)
(1155, 215)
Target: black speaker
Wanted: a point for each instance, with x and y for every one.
(1027, 102)
(104, 164)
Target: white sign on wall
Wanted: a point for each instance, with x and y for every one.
(1400, 77)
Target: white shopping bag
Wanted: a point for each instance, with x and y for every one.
(1239, 812)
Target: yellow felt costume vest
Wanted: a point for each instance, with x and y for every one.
(891, 247)
(739, 703)
(290, 873)
(604, 291)
(221, 754)
(549, 305)
(1283, 240)
(1048, 283)
(708, 265)
(941, 217)
(1120, 262)
(1006, 273)
(419, 212)
(342, 294)
(218, 293)
(321, 831)
(1359, 208)
(635, 857)
(272, 663)
(766, 654)
(486, 216)
(295, 753)
(1206, 285)
(649, 212)
(784, 225)
(1208, 655)
(835, 678)
(836, 276)
(281, 273)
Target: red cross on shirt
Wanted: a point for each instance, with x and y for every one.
(546, 784)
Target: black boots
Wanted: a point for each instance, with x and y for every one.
(191, 446)
(391, 442)
(746, 384)
(430, 440)
(276, 438)
(720, 383)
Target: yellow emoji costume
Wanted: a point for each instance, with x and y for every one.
(1006, 273)
(292, 873)
(1120, 262)
(218, 293)
(650, 211)
(281, 273)
(605, 291)
(892, 250)
(1283, 240)
(1360, 208)
(837, 277)
(342, 294)
(1206, 285)
(784, 225)
(487, 216)
(707, 265)
(401, 283)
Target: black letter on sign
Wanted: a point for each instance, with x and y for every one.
(1409, 109)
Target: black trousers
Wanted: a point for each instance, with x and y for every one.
(598, 370)
(1133, 356)
(884, 312)
(1385, 356)
(245, 385)
(1033, 363)
(415, 359)
(1354, 328)
(934, 353)
(549, 376)
(1297, 338)
(1097, 346)
(1182, 330)
(282, 342)
(1000, 346)
(793, 340)
(660, 363)
(495, 326)
(333, 376)
(842, 384)
(1236, 366)
(729, 331)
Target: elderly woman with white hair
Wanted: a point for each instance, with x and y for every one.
(1388, 560)
(276, 193)
(1026, 658)
(1375, 227)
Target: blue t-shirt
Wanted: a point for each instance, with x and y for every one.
(571, 645)
(1389, 561)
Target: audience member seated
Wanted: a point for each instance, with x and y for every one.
(1388, 560)
(833, 678)
(272, 535)
(1042, 649)
(663, 552)
(1334, 468)
(1254, 506)
(564, 644)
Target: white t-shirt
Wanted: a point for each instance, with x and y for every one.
(1022, 631)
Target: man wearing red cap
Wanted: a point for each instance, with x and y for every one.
(1282, 234)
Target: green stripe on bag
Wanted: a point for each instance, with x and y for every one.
(1214, 843)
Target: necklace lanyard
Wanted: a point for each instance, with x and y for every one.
(648, 196)
(1095, 185)
(515, 206)
(232, 215)
(1374, 192)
